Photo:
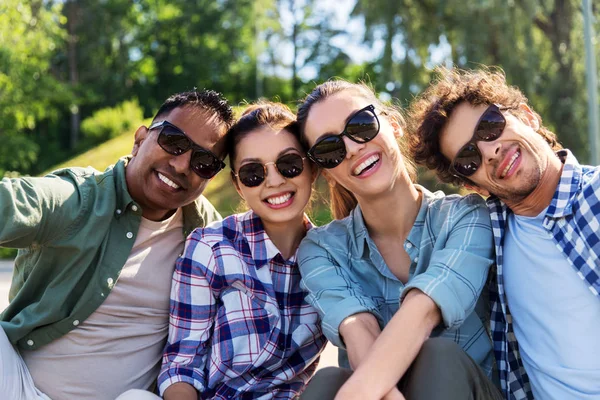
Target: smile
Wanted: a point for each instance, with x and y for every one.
(366, 165)
(279, 199)
(510, 164)
(167, 181)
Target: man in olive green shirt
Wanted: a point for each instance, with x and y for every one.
(89, 300)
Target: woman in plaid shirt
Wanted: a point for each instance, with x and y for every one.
(240, 327)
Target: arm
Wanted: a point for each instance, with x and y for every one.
(446, 291)
(36, 209)
(381, 369)
(193, 309)
(349, 317)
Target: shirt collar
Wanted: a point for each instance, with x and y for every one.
(124, 199)
(568, 186)
(361, 234)
(261, 248)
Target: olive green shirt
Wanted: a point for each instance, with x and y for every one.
(74, 229)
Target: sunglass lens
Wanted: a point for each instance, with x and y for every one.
(290, 165)
(491, 125)
(363, 126)
(173, 141)
(205, 164)
(329, 152)
(467, 161)
(252, 174)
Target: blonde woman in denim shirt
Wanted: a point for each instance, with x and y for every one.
(397, 266)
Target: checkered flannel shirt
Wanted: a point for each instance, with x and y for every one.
(573, 220)
(239, 324)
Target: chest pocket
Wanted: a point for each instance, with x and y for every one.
(246, 330)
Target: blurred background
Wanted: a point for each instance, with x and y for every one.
(78, 77)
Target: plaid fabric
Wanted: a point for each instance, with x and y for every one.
(573, 219)
(239, 325)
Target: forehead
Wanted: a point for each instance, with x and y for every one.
(459, 128)
(265, 144)
(329, 115)
(201, 125)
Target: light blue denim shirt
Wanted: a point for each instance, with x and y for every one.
(451, 250)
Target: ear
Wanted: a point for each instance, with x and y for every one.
(140, 135)
(530, 118)
(477, 189)
(236, 184)
(398, 131)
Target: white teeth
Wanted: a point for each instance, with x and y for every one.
(168, 181)
(369, 161)
(510, 164)
(279, 199)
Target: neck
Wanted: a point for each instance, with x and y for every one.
(394, 213)
(286, 236)
(542, 195)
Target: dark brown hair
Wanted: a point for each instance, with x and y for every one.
(430, 113)
(256, 116)
(343, 201)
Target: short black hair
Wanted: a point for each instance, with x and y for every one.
(207, 99)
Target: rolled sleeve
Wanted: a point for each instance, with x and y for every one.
(193, 309)
(330, 290)
(458, 271)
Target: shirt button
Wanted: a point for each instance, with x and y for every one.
(76, 322)
(118, 211)
(408, 245)
(30, 342)
(416, 259)
(129, 235)
(110, 282)
(134, 207)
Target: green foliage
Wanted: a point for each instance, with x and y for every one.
(111, 122)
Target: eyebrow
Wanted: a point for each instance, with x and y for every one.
(258, 160)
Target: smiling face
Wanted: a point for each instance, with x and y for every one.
(369, 168)
(512, 165)
(277, 199)
(160, 182)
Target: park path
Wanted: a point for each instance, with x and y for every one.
(328, 358)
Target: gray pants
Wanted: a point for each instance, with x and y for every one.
(442, 370)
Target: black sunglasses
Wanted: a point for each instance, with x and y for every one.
(362, 127)
(175, 142)
(489, 128)
(253, 174)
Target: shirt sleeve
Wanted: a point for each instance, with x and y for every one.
(192, 314)
(331, 290)
(34, 210)
(458, 270)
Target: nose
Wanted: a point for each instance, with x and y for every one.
(181, 163)
(489, 150)
(352, 148)
(273, 178)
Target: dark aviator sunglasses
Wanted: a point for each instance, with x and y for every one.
(253, 174)
(361, 127)
(175, 142)
(489, 128)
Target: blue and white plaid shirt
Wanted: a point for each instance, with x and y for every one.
(573, 220)
(239, 325)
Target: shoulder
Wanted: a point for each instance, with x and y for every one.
(225, 232)
(336, 231)
(455, 204)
